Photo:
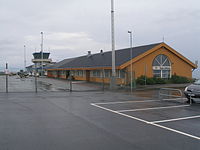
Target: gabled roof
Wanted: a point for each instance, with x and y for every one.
(156, 48)
(122, 58)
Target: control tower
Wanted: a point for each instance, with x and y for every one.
(41, 60)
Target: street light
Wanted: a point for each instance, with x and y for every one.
(24, 58)
(42, 53)
(113, 78)
(131, 55)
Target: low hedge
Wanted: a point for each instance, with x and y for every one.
(151, 81)
(179, 79)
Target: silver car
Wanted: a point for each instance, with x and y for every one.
(193, 91)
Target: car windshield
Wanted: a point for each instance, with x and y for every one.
(197, 82)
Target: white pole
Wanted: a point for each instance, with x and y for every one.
(113, 45)
(24, 57)
(131, 55)
(42, 53)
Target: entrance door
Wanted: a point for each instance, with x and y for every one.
(88, 75)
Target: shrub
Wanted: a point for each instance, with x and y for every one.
(151, 81)
(179, 79)
(160, 81)
(140, 80)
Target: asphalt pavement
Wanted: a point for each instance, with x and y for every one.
(104, 120)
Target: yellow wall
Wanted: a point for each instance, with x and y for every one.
(179, 67)
(81, 78)
(106, 80)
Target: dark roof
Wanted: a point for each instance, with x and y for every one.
(38, 55)
(60, 64)
(103, 59)
(29, 66)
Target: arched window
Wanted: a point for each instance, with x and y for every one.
(161, 67)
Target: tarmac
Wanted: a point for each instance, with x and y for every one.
(95, 119)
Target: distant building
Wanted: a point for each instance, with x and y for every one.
(2, 73)
(155, 60)
(30, 69)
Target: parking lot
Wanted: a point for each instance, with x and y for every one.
(177, 118)
(96, 120)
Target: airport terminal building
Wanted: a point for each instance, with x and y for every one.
(154, 60)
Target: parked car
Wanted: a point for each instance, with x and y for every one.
(193, 91)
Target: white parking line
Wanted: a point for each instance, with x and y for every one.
(152, 108)
(140, 101)
(93, 104)
(121, 102)
(174, 99)
(147, 122)
(176, 131)
(177, 119)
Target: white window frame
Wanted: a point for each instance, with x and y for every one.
(161, 66)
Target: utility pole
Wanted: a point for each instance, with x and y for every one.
(113, 78)
(42, 53)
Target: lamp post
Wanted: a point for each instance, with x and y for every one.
(113, 78)
(131, 55)
(24, 58)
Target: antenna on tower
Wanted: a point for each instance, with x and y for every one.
(163, 39)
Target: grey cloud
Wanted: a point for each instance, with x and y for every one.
(23, 20)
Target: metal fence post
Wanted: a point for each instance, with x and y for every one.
(103, 76)
(6, 72)
(36, 90)
(190, 99)
(70, 84)
(70, 81)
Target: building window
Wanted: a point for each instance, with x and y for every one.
(62, 72)
(54, 72)
(122, 73)
(161, 67)
(78, 73)
(107, 73)
(72, 73)
(117, 73)
(96, 73)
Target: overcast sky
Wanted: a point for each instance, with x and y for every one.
(72, 27)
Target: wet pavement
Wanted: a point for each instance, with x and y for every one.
(54, 119)
(17, 84)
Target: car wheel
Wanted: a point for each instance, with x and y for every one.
(188, 101)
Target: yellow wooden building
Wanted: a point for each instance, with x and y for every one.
(154, 60)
